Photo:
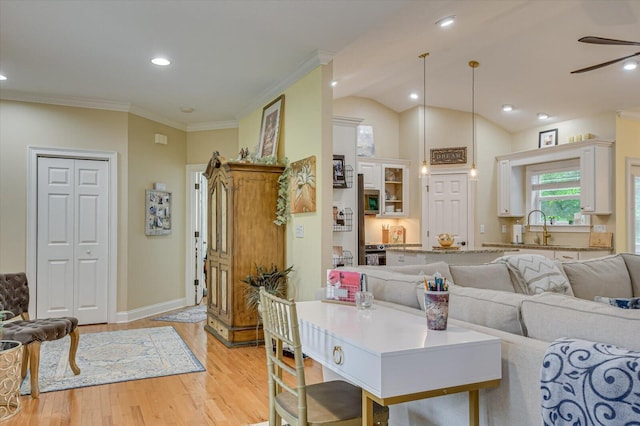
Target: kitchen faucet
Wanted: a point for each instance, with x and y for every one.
(545, 232)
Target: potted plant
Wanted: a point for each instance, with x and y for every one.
(273, 280)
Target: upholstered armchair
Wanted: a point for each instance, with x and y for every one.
(14, 297)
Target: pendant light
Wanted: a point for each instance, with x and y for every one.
(473, 173)
(425, 165)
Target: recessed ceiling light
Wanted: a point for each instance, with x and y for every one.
(2, 77)
(334, 83)
(187, 110)
(163, 62)
(507, 108)
(413, 96)
(445, 22)
(542, 116)
(630, 65)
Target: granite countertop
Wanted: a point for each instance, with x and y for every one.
(419, 249)
(548, 247)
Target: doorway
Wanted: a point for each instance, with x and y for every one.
(196, 243)
(72, 234)
(446, 203)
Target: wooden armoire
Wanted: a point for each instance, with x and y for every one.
(241, 234)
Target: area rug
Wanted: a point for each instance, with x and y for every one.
(114, 356)
(192, 314)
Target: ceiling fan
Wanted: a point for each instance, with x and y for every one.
(609, 41)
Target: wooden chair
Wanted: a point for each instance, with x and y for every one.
(14, 297)
(328, 403)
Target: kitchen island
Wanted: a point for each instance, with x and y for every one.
(397, 256)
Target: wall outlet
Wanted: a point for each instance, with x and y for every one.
(600, 228)
(482, 229)
(299, 231)
(504, 229)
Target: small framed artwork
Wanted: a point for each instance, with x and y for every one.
(548, 138)
(158, 212)
(339, 179)
(270, 128)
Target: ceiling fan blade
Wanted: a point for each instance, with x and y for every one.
(604, 64)
(610, 41)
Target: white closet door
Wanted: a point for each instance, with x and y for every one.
(72, 239)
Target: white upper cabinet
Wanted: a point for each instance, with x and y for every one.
(596, 175)
(510, 190)
(391, 178)
(395, 199)
(371, 174)
(596, 183)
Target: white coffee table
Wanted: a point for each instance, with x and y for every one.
(392, 356)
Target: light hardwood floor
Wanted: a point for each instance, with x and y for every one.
(232, 390)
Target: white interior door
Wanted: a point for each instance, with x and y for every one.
(448, 207)
(195, 278)
(72, 239)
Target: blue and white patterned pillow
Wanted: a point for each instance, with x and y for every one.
(620, 302)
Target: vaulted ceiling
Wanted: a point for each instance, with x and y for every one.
(231, 57)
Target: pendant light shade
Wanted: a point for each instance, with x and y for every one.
(473, 173)
(425, 165)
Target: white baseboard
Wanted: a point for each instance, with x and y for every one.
(151, 310)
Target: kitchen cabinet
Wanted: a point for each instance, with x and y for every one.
(241, 235)
(563, 255)
(596, 175)
(510, 190)
(391, 178)
(596, 179)
(395, 199)
(371, 174)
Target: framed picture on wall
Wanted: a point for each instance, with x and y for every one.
(339, 178)
(157, 213)
(548, 138)
(270, 128)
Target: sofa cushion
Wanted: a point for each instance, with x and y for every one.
(633, 267)
(606, 276)
(536, 274)
(550, 316)
(490, 308)
(391, 286)
(492, 276)
(426, 269)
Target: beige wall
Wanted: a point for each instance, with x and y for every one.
(306, 131)
(602, 126)
(201, 144)
(157, 266)
(386, 127)
(627, 146)
(24, 124)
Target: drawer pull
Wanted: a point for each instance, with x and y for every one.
(338, 356)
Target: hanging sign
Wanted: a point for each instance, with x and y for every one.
(456, 155)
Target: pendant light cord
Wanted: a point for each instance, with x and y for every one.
(424, 112)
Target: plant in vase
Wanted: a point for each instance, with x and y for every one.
(273, 280)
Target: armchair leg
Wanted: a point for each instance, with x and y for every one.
(75, 337)
(34, 361)
(25, 361)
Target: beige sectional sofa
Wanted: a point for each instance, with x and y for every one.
(490, 298)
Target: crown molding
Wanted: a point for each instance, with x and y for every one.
(212, 125)
(318, 57)
(11, 95)
(629, 114)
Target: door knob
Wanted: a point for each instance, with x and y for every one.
(463, 243)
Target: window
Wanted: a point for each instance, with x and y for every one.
(554, 188)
